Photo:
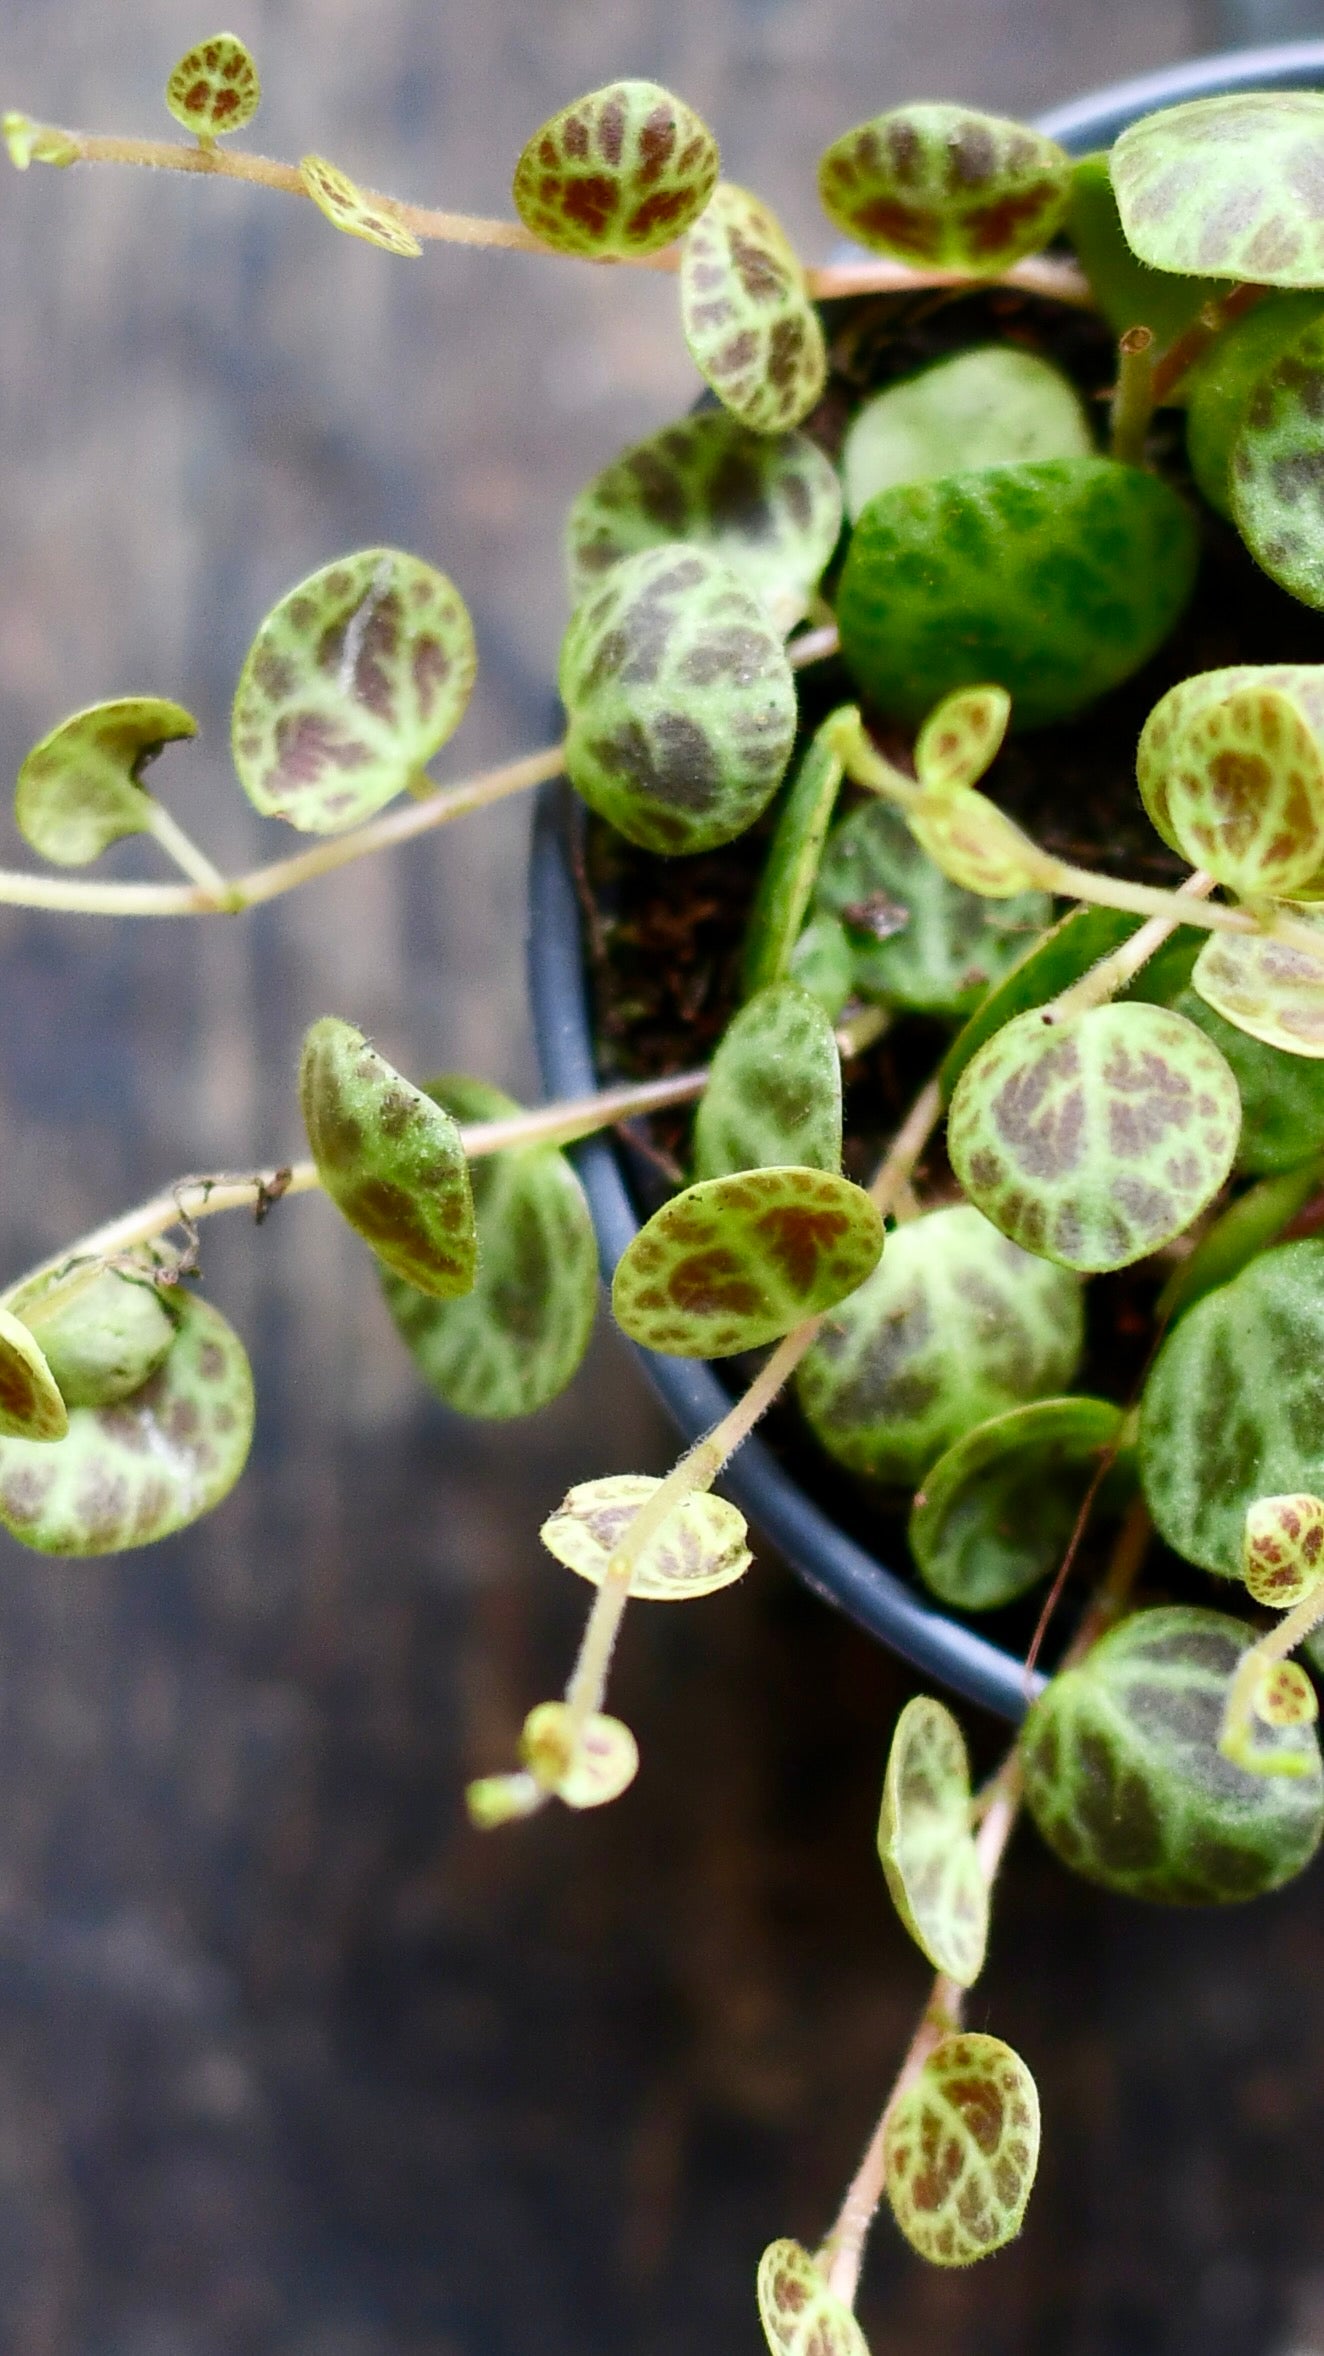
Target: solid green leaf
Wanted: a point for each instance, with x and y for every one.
(996, 1512)
(940, 184)
(80, 789)
(699, 1548)
(1127, 291)
(353, 682)
(623, 170)
(680, 699)
(587, 1774)
(1222, 385)
(214, 88)
(101, 1338)
(390, 1158)
(752, 331)
(1277, 468)
(1053, 962)
(774, 1089)
(961, 737)
(799, 2314)
(129, 1474)
(926, 1845)
(1096, 1139)
(352, 209)
(1228, 186)
(994, 405)
(790, 872)
(31, 1406)
(769, 505)
(1282, 1549)
(1268, 988)
(955, 1325)
(518, 1337)
(1125, 1780)
(823, 963)
(735, 1262)
(961, 2148)
(1055, 579)
(1230, 767)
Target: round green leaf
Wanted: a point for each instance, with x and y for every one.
(822, 963)
(680, 699)
(1220, 387)
(799, 2314)
(1125, 1780)
(1277, 468)
(1230, 186)
(1128, 293)
(103, 1341)
(954, 1326)
(1282, 1549)
(699, 1549)
(735, 1262)
(752, 331)
(961, 2148)
(1075, 943)
(925, 1843)
(1054, 579)
(31, 1406)
(1097, 1139)
(1234, 1406)
(518, 1337)
(769, 505)
(946, 186)
(997, 1511)
(129, 1474)
(391, 1160)
(1230, 766)
(774, 1090)
(992, 406)
(350, 208)
(621, 171)
(918, 940)
(79, 789)
(602, 1765)
(214, 88)
(1268, 988)
(961, 737)
(353, 681)
(790, 872)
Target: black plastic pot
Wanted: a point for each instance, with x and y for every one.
(833, 1564)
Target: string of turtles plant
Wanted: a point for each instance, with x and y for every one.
(1115, 1093)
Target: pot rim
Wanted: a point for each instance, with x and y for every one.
(834, 1565)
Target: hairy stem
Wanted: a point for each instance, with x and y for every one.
(1292, 1629)
(1111, 974)
(1133, 396)
(193, 862)
(1194, 341)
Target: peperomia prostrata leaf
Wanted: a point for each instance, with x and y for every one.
(353, 681)
(1127, 291)
(1285, 1697)
(1125, 1780)
(769, 505)
(1248, 1225)
(214, 88)
(101, 1339)
(823, 963)
(943, 185)
(680, 699)
(129, 1474)
(961, 2148)
(517, 1338)
(587, 1774)
(1227, 186)
(37, 143)
(926, 1845)
(774, 1089)
(350, 208)
(1220, 387)
(790, 872)
(1278, 463)
(1096, 1139)
(799, 2314)
(31, 1406)
(992, 406)
(1230, 766)
(1270, 989)
(961, 737)
(997, 1510)
(1054, 579)
(623, 170)
(1282, 1549)
(80, 789)
(735, 1262)
(390, 1159)
(1075, 943)
(699, 1549)
(955, 1325)
(753, 333)
(976, 845)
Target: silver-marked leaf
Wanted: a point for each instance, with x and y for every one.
(956, 1325)
(1097, 1139)
(992, 406)
(1228, 186)
(926, 1845)
(943, 185)
(31, 1406)
(621, 171)
(1220, 387)
(699, 1548)
(752, 331)
(1125, 1780)
(1277, 466)
(351, 209)
(1269, 989)
(961, 2149)
(735, 1262)
(790, 872)
(799, 2314)
(769, 505)
(1128, 293)
(101, 1339)
(774, 1089)
(997, 1511)
(79, 789)
(517, 1338)
(391, 1160)
(1282, 1549)
(1282, 1094)
(1230, 766)
(961, 736)
(214, 88)
(129, 1474)
(587, 1774)
(680, 698)
(353, 681)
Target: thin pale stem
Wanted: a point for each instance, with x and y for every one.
(186, 855)
(1133, 396)
(1040, 275)
(1212, 916)
(1292, 1630)
(1111, 974)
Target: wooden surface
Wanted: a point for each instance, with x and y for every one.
(290, 2061)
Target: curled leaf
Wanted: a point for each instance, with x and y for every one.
(621, 171)
(961, 2149)
(37, 143)
(214, 88)
(101, 1340)
(786, 886)
(752, 331)
(998, 1508)
(390, 1158)
(1226, 186)
(961, 736)
(925, 1843)
(587, 1774)
(943, 185)
(993, 406)
(799, 2314)
(1270, 989)
(699, 1549)
(1276, 464)
(774, 1089)
(79, 789)
(353, 682)
(1221, 387)
(350, 208)
(976, 845)
(31, 1407)
(1282, 1549)
(1230, 766)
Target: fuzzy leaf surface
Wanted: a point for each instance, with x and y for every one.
(1227, 186)
(1282, 1549)
(699, 1549)
(1051, 964)
(214, 88)
(752, 331)
(390, 1159)
(993, 406)
(79, 789)
(943, 185)
(1220, 388)
(351, 209)
(774, 1089)
(998, 1508)
(1277, 467)
(961, 2150)
(105, 1340)
(918, 940)
(1127, 291)
(799, 2314)
(961, 737)
(623, 170)
(926, 1845)
(1230, 767)
(1270, 989)
(790, 872)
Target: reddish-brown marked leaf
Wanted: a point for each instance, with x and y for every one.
(349, 207)
(214, 88)
(799, 2314)
(699, 1548)
(623, 170)
(752, 331)
(943, 185)
(962, 2147)
(1282, 1551)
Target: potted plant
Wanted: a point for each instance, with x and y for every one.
(1121, 1104)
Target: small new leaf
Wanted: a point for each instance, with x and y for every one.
(961, 737)
(1286, 1696)
(925, 1843)
(390, 1159)
(101, 1340)
(349, 207)
(799, 2314)
(79, 789)
(37, 143)
(961, 2150)
(699, 1549)
(1270, 989)
(1282, 1549)
(752, 331)
(976, 845)
(214, 88)
(587, 1774)
(623, 170)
